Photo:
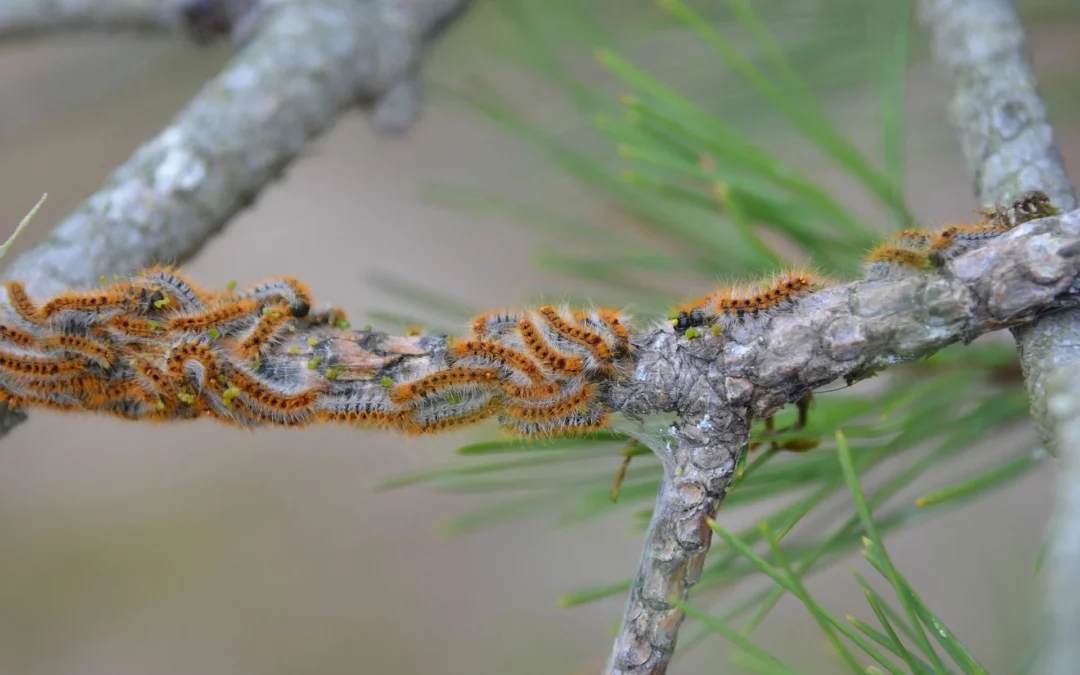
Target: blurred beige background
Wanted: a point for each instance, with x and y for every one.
(202, 549)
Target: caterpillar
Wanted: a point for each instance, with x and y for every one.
(223, 315)
(117, 296)
(411, 391)
(888, 262)
(555, 409)
(295, 294)
(189, 296)
(541, 349)
(498, 353)
(160, 347)
(98, 352)
(728, 306)
(265, 332)
(21, 303)
(494, 323)
(443, 420)
(576, 333)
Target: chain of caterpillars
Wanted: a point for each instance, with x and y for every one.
(159, 347)
(908, 252)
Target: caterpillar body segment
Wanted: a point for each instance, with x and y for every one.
(466, 413)
(292, 292)
(888, 262)
(189, 296)
(441, 380)
(367, 411)
(22, 305)
(93, 350)
(577, 332)
(539, 345)
(228, 317)
(32, 366)
(19, 338)
(530, 392)
(486, 351)
(729, 306)
(592, 419)
(158, 347)
(556, 408)
(495, 323)
(267, 331)
(126, 327)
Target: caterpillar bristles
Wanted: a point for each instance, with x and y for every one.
(495, 323)
(887, 262)
(729, 306)
(540, 347)
(443, 379)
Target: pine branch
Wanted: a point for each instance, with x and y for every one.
(261, 358)
(201, 20)
(717, 385)
(307, 62)
(1008, 145)
(31, 18)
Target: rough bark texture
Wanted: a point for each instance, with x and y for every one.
(307, 62)
(30, 18)
(1008, 144)
(1064, 653)
(716, 384)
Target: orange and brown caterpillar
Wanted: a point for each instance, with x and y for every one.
(361, 411)
(265, 331)
(295, 293)
(21, 303)
(560, 363)
(212, 318)
(136, 327)
(889, 262)
(158, 357)
(117, 296)
(37, 366)
(442, 379)
(501, 354)
(729, 305)
(189, 296)
(577, 334)
(556, 409)
(98, 352)
(495, 322)
(19, 338)
(440, 421)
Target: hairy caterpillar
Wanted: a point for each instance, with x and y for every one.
(728, 306)
(295, 294)
(411, 391)
(160, 347)
(501, 354)
(541, 349)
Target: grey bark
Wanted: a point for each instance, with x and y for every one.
(30, 18)
(1063, 654)
(716, 384)
(1008, 145)
(1007, 142)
